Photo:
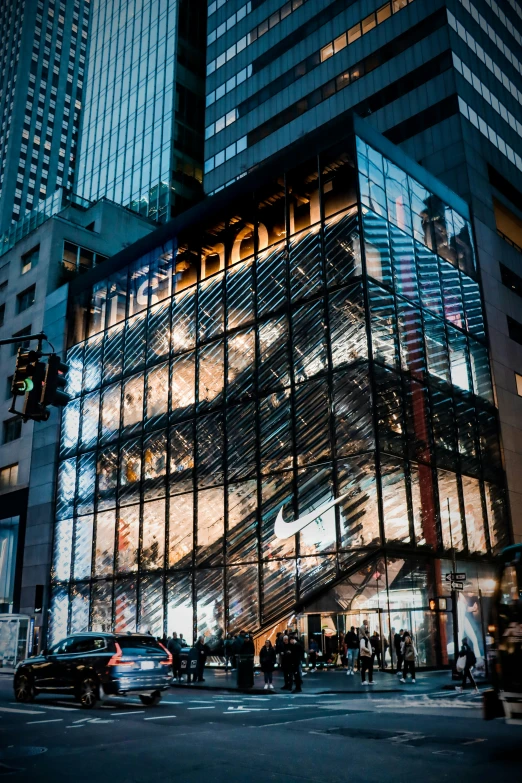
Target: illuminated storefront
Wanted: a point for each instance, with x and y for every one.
(317, 343)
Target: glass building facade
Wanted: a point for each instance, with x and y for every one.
(321, 339)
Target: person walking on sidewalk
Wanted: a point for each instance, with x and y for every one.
(267, 659)
(174, 647)
(202, 652)
(297, 654)
(375, 641)
(469, 662)
(313, 649)
(285, 657)
(397, 643)
(366, 658)
(409, 654)
(352, 649)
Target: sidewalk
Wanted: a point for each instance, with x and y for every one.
(329, 681)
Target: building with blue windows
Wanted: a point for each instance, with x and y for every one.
(283, 414)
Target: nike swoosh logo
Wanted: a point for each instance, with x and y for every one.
(284, 529)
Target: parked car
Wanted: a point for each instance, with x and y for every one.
(93, 665)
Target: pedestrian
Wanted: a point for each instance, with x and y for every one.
(466, 660)
(364, 629)
(366, 657)
(286, 663)
(397, 643)
(227, 650)
(267, 659)
(313, 650)
(375, 641)
(409, 655)
(202, 652)
(174, 646)
(297, 654)
(352, 649)
(248, 647)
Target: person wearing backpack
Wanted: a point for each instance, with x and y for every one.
(409, 654)
(466, 660)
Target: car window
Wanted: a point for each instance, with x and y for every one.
(139, 645)
(60, 647)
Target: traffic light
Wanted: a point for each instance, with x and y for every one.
(22, 378)
(55, 382)
(33, 409)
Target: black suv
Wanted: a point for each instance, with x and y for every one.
(93, 665)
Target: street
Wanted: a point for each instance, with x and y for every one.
(200, 735)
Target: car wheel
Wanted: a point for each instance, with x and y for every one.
(89, 692)
(151, 701)
(24, 689)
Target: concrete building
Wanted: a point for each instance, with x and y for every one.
(439, 78)
(34, 272)
(142, 131)
(42, 62)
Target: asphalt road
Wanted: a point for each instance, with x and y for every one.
(195, 736)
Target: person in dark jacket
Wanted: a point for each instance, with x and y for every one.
(313, 649)
(248, 645)
(375, 641)
(471, 659)
(397, 643)
(228, 646)
(267, 659)
(351, 641)
(174, 647)
(286, 663)
(297, 654)
(202, 651)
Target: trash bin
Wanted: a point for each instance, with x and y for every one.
(188, 659)
(245, 671)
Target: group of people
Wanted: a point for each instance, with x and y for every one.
(237, 644)
(364, 649)
(175, 644)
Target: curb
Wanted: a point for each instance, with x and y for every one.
(198, 686)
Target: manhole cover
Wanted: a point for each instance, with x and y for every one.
(20, 751)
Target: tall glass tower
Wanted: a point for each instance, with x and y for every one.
(142, 133)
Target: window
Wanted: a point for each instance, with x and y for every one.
(2, 314)
(12, 429)
(9, 476)
(518, 380)
(510, 279)
(25, 299)
(79, 259)
(509, 226)
(26, 344)
(30, 259)
(514, 330)
(3, 286)
(509, 586)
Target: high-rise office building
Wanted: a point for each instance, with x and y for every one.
(42, 61)
(440, 78)
(283, 413)
(142, 129)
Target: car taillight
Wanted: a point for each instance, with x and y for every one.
(116, 658)
(168, 662)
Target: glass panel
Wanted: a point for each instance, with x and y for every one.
(184, 321)
(394, 503)
(397, 196)
(429, 282)
(275, 432)
(278, 590)
(241, 363)
(417, 420)
(179, 606)
(107, 477)
(241, 441)
(110, 412)
(450, 517)
(86, 483)
(210, 604)
(90, 414)
(153, 535)
(210, 450)
(423, 504)
(273, 354)
(113, 353)
(80, 600)
(243, 597)
(138, 286)
(132, 405)
(150, 616)
(466, 421)
(442, 224)
(58, 615)
(181, 458)
(309, 334)
(128, 539)
(74, 376)
(277, 493)
(480, 371)
(474, 517)
(155, 465)
(419, 201)
(240, 295)
(93, 363)
(315, 489)
(451, 294)
(125, 606)
(101, 607)
(371, 176)
(271, 280)
(135, 339)
(83, 535)
(161, 272)
(390, 417)
(347, 326)
(305, 263)
(459, 361)
(489, 444)
(497, 519)
(65, 489)
(411, 341)
(157, 396)
(211, 307)
(352, 410)
(359, 515)
(158, 332)
(436, 352)
(241, 538)
(104, 547)
(403, 262)
(117, 297)
(130, 471)
(383, 325)
(211, 374)
(311, 415)
(62, 550)
(210, 526)
(377, 248)
(472, 306)
(181, 530)
(342, 245)
(462, 244)
(443, 420)
(183, 385)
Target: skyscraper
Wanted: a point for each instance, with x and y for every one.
(142, 132)
(440, 78)
(42, 59)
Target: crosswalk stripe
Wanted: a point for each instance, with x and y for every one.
(160, 717)
(22, 712)
(49, 720)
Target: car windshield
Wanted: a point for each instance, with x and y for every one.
(138, 645)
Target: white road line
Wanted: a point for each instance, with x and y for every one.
(164, 701)
(201, 708)
(62, 709)
(200, 701)
(134, 712)
(278, 709)
(160, 717)
(22, 712)
(50, 720)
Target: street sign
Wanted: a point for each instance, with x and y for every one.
(454, 585)
(453, 576)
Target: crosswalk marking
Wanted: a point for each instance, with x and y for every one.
(201, 708)
(22, 712)
(49, 720)
(160, 717)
